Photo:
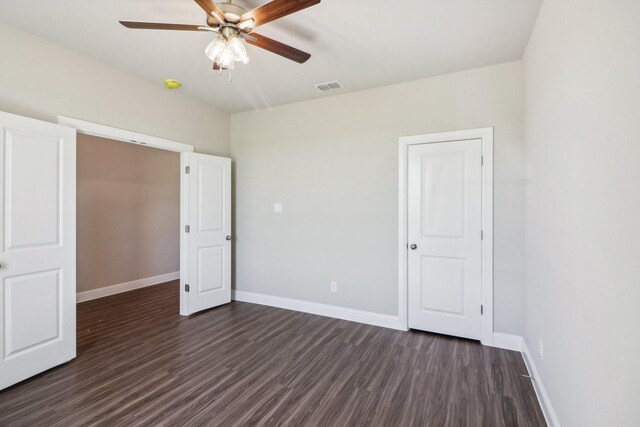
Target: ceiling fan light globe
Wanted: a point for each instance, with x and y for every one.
(228, 65)
(226, 58)
(237, 48)
(215, 48)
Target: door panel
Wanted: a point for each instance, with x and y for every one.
(210, 268)
(211, 206)
(37, 261)
(32, 189)
(444, 190)
(438, 274)
(206, 253)
(443, 198)
(24, 293)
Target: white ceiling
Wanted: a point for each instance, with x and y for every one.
(361, 43)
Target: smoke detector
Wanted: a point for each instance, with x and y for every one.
(172, 84)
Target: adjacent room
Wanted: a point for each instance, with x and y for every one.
(127, 216)
(320, 213)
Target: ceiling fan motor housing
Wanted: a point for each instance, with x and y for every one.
(232, 13)
(229, 31)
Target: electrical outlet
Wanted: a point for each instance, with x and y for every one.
(277, 207)
(334, 287)
(541, 348)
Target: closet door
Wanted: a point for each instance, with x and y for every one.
(445, 237)
(38, 238)
(205, 257)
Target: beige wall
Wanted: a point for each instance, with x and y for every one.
(128, 212)
(42, 80)
(582, 209)
(333, 163)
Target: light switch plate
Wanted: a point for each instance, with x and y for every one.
(277, 207)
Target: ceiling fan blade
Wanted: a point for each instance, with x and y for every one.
(162, 26)
(212, 9)
(276, 10)
(278, 48)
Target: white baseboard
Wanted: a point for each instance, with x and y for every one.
(360, 316)
(125, 287)
(547, 409)
(507, 341)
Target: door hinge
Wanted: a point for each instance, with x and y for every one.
(481, 308)
(187, 229)
(186, 288)
(481, 160)
(481, 234)
(187, 169)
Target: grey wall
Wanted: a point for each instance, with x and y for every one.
(128, 212)
(582, 209)
(42, 80)
(333, 163)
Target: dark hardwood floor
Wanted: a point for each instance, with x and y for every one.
(140, 363)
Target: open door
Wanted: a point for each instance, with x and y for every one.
(205, 255)
(38, 247)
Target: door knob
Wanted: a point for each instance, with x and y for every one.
(228, 237)
(413, 246)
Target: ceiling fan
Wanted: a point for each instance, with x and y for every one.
(234, 24)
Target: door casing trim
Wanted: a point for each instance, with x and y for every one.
(486, 136)
(110, 132)
(117, 134)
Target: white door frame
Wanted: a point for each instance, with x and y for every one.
(486, 135)
(103, 131)
(95, 129)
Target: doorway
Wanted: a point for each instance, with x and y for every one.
(38, 263)
(205, 216)
(127, 216)
(446, 229)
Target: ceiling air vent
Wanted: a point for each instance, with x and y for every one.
(325, 87)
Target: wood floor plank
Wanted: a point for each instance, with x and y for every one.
(140, 363)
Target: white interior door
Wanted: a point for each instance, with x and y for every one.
(205, 258)
(38, 237)
(444, 234)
